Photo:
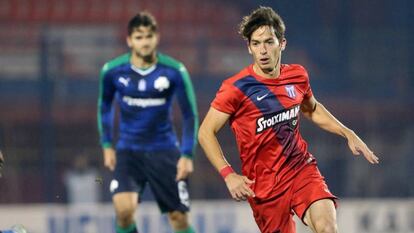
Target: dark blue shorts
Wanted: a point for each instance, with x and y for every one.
(134, 169)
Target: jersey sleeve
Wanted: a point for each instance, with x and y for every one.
(227, 98)
(308, 90)
(187, 102)
(105, 110)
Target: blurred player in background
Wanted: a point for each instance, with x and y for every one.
(143, 83)
(16, 228)
(262, 103)
(1, 162)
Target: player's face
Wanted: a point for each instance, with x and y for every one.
(143, 41)
(266, 48)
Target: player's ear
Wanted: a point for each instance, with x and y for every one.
(157, 35)
(248, 47)
(129, 42)
(283, 44)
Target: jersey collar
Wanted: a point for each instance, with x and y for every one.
(144, 72)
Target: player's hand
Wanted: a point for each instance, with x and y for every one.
(239, 187)
(1, 162)
(357, 147)
(184, 168)
(109, 158)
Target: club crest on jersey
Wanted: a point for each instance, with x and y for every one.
(124, 81)
(290, 89)
(161, 83)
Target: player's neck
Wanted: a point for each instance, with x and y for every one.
(143, 62)
(267, 73)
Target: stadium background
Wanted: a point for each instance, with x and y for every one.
(359, 55)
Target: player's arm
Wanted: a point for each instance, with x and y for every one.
(105, 117)
(188, 105)
(213, 122)
(319, 115)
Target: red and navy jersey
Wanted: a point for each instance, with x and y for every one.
(264, 116)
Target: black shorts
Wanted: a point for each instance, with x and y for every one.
(134, 169)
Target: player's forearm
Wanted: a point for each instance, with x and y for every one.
(104, 120)
(325, 120)
(106, 137)
(208, 141)
(189, 136)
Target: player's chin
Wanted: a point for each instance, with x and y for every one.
(267, 68)
(145, 52)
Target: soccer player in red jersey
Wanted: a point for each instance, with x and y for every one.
(262, 103)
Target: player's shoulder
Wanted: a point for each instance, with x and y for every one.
(294, 71)
(294, 68)
(170, 62)
(116, 62)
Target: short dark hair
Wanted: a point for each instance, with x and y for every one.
(262, 16)
(143, 18)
